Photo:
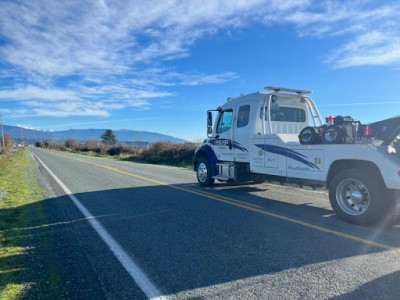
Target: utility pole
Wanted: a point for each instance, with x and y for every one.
(22, 137)
(2, 132)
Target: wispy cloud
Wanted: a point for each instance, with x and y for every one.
(371, 29)
(372, 48)
(94, 48)
(70, 125)
(32, 92)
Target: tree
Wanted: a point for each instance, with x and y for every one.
(108, 137)
(7, 141)
(40, 144)
(71, 143)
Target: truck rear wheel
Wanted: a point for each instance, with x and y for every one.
(360, 197)
(203, 171)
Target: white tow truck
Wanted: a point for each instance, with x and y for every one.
(256, 138)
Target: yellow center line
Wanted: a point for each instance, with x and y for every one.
(242, 204)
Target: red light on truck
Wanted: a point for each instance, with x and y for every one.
(398, 173)
(367, 131)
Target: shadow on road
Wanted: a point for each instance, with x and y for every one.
(182, 241)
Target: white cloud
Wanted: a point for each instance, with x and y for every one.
(51, 38)
(372, 48)
(61, 38)
(68, 125)
(161, 77)
(372, 30)
(79, 100)
(361, 104)
(33, 92)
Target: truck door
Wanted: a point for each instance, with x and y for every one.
(241, 138)
(222, 143)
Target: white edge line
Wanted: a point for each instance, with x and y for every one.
(130, 266)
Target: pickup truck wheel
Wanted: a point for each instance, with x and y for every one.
(359, 197)
(204, 175)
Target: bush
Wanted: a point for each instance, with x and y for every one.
(92, 145)
(130, 151)
(71, 144)
(42, 144)
(158, 153)
(117, 150)
(169, 153)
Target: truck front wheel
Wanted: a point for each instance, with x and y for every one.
(203, 171)
(360, 197)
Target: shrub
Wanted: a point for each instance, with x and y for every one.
(117, 150)
(130, 151)
(42, 144)
(71, 144)
(169, 153)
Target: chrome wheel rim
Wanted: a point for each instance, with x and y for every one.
(331, 135)
(202, 172)
(353, 197)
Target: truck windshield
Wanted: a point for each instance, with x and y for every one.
(288, 114)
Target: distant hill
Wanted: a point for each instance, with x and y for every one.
(123, 135)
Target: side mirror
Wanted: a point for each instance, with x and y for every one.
(209, 123)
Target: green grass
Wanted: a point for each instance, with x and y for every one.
(23, 270)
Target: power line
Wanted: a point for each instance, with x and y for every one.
(22, 136)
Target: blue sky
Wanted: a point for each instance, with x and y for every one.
(159, 65)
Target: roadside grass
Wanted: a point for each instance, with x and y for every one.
(24, 272)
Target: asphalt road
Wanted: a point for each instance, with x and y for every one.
(159, 234)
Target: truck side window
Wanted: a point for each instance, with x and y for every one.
(288, 114)
(243, 116)
(225, 121)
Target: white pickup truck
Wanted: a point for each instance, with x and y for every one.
(256, 137)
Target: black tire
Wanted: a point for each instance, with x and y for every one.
(332, 134)
(259, 179)
(203, 171)
(309, 135)
(373, 202)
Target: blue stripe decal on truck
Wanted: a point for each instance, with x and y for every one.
(288, 153)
